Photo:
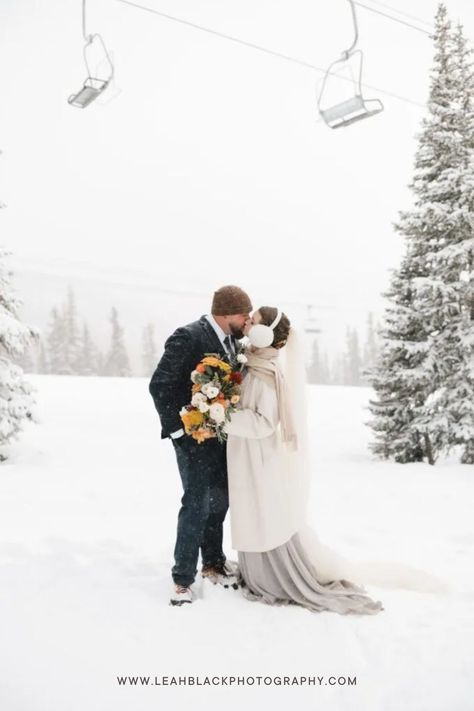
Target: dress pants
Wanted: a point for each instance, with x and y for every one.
(205, 501)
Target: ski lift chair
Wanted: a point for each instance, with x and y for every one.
(311, 323)
(356, 107)
(92, 86)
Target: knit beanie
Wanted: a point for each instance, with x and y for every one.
(230, 300)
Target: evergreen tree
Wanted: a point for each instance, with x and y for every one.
(346, 370)
(149, 352)
(314, 368)
(326, 369)
(62, 339)
(422, 378)
(56, 344)
(338, 371)
(116, 362)
(370, 347)
(42, 362)
(464, 249)
(352, 360)
(100, 362)
(369, 356)
(72, 355)
(27, 361)
(396, 378)
(16, 394)
(87, 359)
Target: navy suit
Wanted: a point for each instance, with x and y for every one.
(202, 467)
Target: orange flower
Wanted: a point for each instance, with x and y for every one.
(201, 368)
(219, 400)
(196, 388)
(202, 434)
(216, 363)
(191, 418)
(235, 399)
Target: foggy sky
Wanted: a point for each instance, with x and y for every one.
(206, 163)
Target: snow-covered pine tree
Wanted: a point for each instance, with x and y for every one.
(149, 351)
(464, 56)
(345, 367)
(369, 354)
(318, 371)
(62, 338)
(72, 355)
(338, 370)
(42, 362)
(313, 370)
(27, 360)
(87, 354)
(55, 341)
(16, 394)
(453, 344)
(396, 378)
(445, 193)
(327, 369)
(370, 345)
(421, 376)
(116, 362)
(100, 362)
(352, 358)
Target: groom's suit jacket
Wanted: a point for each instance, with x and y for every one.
(170, 385)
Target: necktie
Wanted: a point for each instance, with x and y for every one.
(228, 345)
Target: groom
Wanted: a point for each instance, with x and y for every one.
(202, 467)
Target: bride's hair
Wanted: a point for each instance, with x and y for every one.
(281, 331)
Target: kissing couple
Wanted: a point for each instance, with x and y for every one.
(260, 470)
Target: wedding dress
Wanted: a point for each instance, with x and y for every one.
(280, 557)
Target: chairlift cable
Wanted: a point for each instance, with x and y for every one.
(86, 36)
(271, 52)
(401, 12)
(394, 19)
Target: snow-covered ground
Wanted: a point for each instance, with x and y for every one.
(89, 500)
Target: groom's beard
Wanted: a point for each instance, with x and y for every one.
(236, 332)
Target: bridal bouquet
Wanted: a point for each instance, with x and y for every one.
(216, 392)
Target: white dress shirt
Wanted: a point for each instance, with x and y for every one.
(221, 335)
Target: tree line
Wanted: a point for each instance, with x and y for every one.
(348, 367)
(67, 348)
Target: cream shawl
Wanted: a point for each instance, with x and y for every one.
(262, 362)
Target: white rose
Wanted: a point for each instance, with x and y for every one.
(197, 398)
(210, 390)
(217, 412)
(194, 375)
(183, 411)
(242, 358)
(203, 407)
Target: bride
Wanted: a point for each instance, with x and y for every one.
(280, 558)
